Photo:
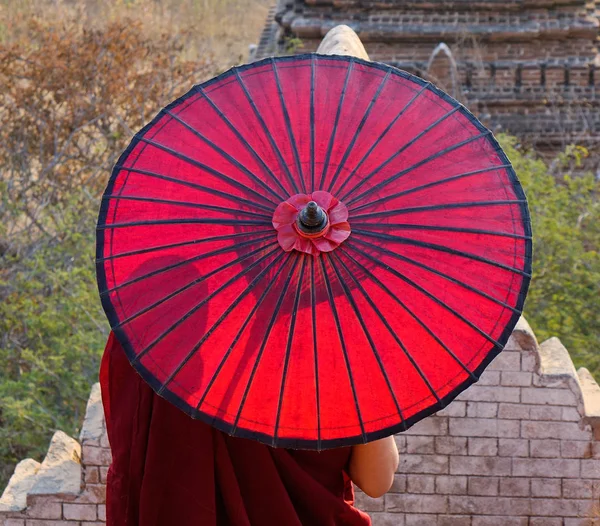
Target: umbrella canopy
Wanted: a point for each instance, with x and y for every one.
(313, 251)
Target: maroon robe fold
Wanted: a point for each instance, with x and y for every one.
(171, 470)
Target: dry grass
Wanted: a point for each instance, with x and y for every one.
(223, 29)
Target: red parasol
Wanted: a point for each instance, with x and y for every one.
(313, 251)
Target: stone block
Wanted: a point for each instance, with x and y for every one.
(420, 483)
(483, 447)
(387, 519)
(419, 519)
(13, 522)
(545, 467)
(451, 445)
(422, 445)
(548, 412)
(43, 507)
(506, 361)
(516, 379)
(545, 521)
(546, 487)
(576, 449)
(484, 427)
(483, 486)
(590, 469)
(435, 425)
(416, 503)
(577, 489)
(513, 447)
(548, 396)
(454, 520)
(456, 408)
(499, 521)
(488, 505)
(553, 507)
(482, 409)
(96, 456)
(366, 503)
(544, 448)
(80, 512)
(399, 484)
(514, 487)
(513, 411)
(489, 377)
(435, 464)
(559, 430)
(451, 485)
(102, 512)
(486, 393)
(103, 474)
(485, 466)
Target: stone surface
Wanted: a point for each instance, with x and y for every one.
(14, 497)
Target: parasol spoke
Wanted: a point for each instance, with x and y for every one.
(443, 275)
(431, 296)
(415, 166)
(288, 125)
(313, 75)
(268, 133)
(187, 286)
(199, 305)
(313, 298)
(336, 122)
(223, 153)
(288, 348)
(221, 319)
(268, 330)
(242, 329)
(359, 129)
(430, 185)
(187, 204)
(367, 334)
(199, 187)
(411, 313)
(182, 244)
(208, 169)
(402, 149)
(382, 135)
(217, 252)
(241, 138)
(439, 248)
(343, 345)
(186, 221)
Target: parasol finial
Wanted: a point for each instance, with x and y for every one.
(312, 219)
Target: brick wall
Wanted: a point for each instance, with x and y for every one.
(516, 449)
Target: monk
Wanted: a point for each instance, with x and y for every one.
(171, 470)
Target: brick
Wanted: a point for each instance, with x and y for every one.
(104, 440)
(486, 466)
(557, 507)
(545, 521)
(103, 474)
(529, 361)
(43, 507)
(43, 522)
(435, 464)
(513, 447)
(387, 519)
(545, 467)
(483, 447)
(456, 408)
(548, 396)
(484, 427)
(549, 412)
(420, 445)
(485, 393)
(420, 483)
(576, 449)
(485, 486)
(577, 489)
(545, 487)
(516, 379)
(92, 475)
(451, 445)
(434, 425)
(488, 505)
(366, 503)
(416, 503)
(13, 522)
(421, 520)
(86, 523)
(454, 520)
(400, 443)
(513, 411)
(96, 456)
(451, 485)
(563, 430)
(571, 414)
(506, 361)
(499, 521)
(489, 377)
(514, 487)
(101, 512)
(93, 494)
(79, 512)
(544, 448)
(399, 484)
(482, 409)
(590, 469)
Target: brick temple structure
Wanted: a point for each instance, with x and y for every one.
(519, 448)
(528, 67)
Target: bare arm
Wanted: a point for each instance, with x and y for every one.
(372, 466)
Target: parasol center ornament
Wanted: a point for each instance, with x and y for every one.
(311, 223)
(312, 220)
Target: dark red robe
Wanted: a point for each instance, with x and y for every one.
(171, 470)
